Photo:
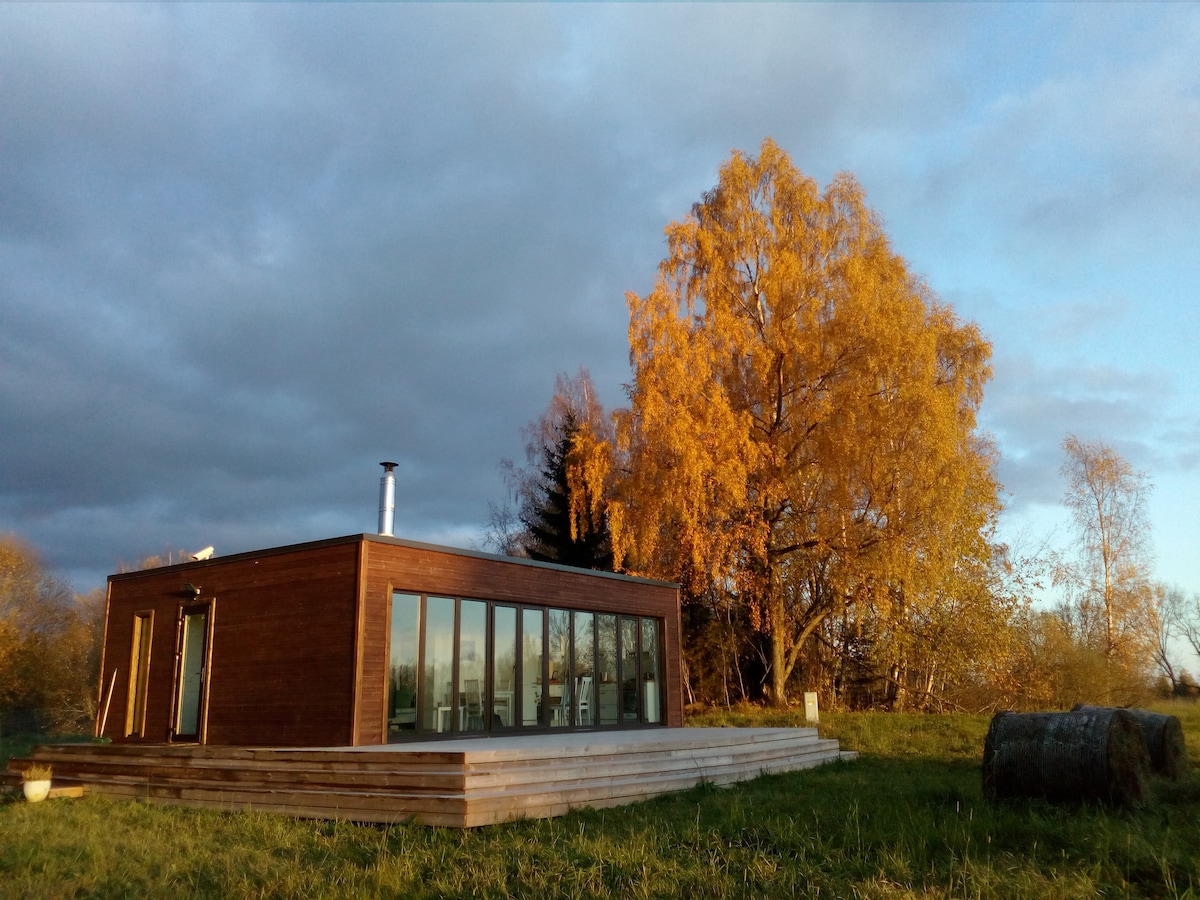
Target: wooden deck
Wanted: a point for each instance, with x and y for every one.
(461, 783)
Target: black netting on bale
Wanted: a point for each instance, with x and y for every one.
(1164, 740)
(1073, 756)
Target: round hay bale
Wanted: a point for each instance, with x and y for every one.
(1076, 756)
(1164, 740)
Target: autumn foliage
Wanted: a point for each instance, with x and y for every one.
(801, 454)
(1108, 583)
(49, 645)
(801, 450)
(562, 488)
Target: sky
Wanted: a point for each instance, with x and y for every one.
(247, 252)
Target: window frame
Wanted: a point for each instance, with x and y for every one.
(542, 720)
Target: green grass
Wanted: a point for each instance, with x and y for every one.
(876, 733)
(907, 820)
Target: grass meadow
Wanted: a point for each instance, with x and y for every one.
(905, 820)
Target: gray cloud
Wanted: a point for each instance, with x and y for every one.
(246, 252)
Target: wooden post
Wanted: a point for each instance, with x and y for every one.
(107, 700)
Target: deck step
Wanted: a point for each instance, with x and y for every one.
(459, 783)
(65, 792)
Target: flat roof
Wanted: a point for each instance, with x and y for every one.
(394, 541)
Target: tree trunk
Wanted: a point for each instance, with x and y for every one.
(779, 665)
(1073, 757)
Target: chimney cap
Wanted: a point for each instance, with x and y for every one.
(388, 466)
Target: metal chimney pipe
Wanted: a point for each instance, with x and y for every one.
(387, 499)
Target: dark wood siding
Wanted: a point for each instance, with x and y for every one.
(282, 661)
(393, 565)
(293, 627)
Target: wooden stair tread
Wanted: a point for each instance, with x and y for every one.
(539, 776)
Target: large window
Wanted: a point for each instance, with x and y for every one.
(585, 669)
(533, 654)
(607, 700)
(472, 644)
(630, 682)
(651, 703)
(559, 690)
(462, 666)
(404, 659)
(504, 667)
(437, 670)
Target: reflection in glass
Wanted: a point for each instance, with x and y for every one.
(629, 669)
(437, 694)
(472, 641)
(559, 690)
(532, 651)
(464, 666)
(402, 665)
(606, 669)
(650, 670)
(585, 672)
(504, 669)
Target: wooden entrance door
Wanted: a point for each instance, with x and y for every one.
(191, 672)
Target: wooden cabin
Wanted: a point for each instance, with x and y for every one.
(369, 639)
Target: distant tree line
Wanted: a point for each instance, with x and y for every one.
(801, 454)
(49, 645)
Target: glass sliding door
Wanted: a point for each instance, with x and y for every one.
(608, 704)
(533, 700)
(403, 660)
(504, 666)
(472, 651)
(460, 666)
(630, 681)
(651, 668)
(559, 689)
(584, 669)
(437, 689)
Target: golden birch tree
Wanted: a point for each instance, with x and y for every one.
(801, 434)
(1113, 598)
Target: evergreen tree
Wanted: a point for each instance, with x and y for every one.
(546, 508)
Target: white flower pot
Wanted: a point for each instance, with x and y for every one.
(36, 791)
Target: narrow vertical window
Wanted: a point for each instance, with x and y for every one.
(559, 691)
(437, 689)
(191, 677)
(585, 668)
(472, 654)
(629, 669)
(650, 671)
(504, 666)
(139, 675)
(533, 710)
(608, 689)
(402, 665)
